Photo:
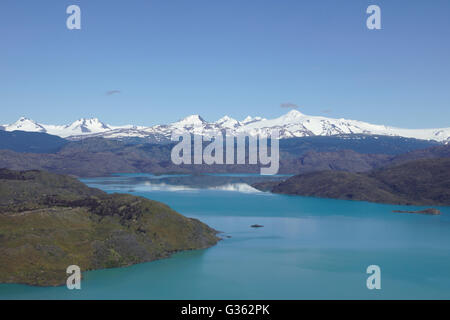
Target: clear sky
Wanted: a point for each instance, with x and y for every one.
(173, 58)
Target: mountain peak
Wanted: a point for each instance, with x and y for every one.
(250, 119)
(25, 119)
(225, 118)
(194, 119)
(294, 113)
(228, 122)
(88, 125)
(25, 124)
(89, 120)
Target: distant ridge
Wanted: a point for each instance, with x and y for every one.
(292, 124)
(418, 182)
(32, 142)
(101, 157)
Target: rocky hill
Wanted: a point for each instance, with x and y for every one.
(419, 182)
(49, 222)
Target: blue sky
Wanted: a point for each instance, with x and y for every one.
(173, 58)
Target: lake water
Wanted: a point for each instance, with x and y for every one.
(309, 248)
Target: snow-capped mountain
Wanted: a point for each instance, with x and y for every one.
(249, 120)
(79, 127)
(292, 124)
(229, 123)
(190, 122)
(25, 124)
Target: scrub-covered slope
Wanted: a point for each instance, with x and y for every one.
(49, 222)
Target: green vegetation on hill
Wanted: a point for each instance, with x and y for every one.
(49, 221)
(420, 182)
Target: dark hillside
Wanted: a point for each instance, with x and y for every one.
(420, 182)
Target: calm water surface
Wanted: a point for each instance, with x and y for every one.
(308, 249)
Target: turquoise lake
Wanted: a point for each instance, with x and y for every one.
(309, 248)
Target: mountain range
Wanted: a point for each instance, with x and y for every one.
(293, 124)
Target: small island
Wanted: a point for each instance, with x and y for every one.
(430, 211)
